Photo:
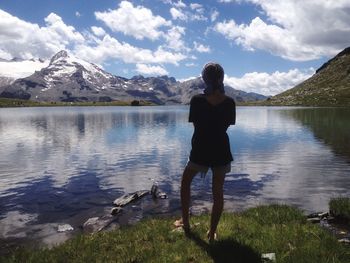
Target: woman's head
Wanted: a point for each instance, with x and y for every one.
(213, 75)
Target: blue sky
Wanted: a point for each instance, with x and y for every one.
(265, 46)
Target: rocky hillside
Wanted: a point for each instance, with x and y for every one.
(70, 79)
(329, 86)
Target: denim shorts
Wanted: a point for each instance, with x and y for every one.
(204, 169)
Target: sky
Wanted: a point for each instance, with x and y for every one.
(264, 46)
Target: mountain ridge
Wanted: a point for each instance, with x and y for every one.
(68, 79)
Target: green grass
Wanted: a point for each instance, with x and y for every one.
(340, 208)
(242, 238)
(4, 102)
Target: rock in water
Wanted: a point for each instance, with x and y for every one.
(155, 192)
(64, 228)
(128, 198)
(162, 195)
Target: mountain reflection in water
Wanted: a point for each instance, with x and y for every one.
(67, 164)
(330, 126)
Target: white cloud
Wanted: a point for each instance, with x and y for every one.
(296, 30)
(271, 38)
(77, 14)
(151, 70)
(5, 55)
(98, 31)
(109, 48)
(195, 6)
(138, 21)
(179, 4)
(199, 17)
(56, 28)
(269, 84)
(20, 69)
(174, 38)
(19, 38)
(26, 40)
(201, 48)
(214, 15)
(191, 64)
(177, 14)
(185, 15)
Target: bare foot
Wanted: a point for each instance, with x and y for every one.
(212, 236)
(179, 224)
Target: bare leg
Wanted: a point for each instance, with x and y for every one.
(186, 195)
(218, 202)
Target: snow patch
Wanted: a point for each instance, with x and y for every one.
(86, 76)
(67, 70)
(88, 66)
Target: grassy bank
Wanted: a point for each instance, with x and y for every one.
(5, 103)
(340, 208)
(242, 238)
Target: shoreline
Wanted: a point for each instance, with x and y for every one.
(46, 234)
(279, 229)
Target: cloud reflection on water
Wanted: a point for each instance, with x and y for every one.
(68, 164)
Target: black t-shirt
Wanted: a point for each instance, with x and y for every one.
(210, 142)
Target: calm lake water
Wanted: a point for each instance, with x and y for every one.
(67, 164)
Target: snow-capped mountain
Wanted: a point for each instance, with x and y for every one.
(68, 78)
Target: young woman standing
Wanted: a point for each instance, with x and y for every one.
(211, 114)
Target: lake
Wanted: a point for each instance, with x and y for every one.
(63, 165)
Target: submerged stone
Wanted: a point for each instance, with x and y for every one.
(96, 224)
(314, 220)
(116, 210)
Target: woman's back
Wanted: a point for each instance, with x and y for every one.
(210, 143)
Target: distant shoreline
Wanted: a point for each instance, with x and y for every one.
(17, 103)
